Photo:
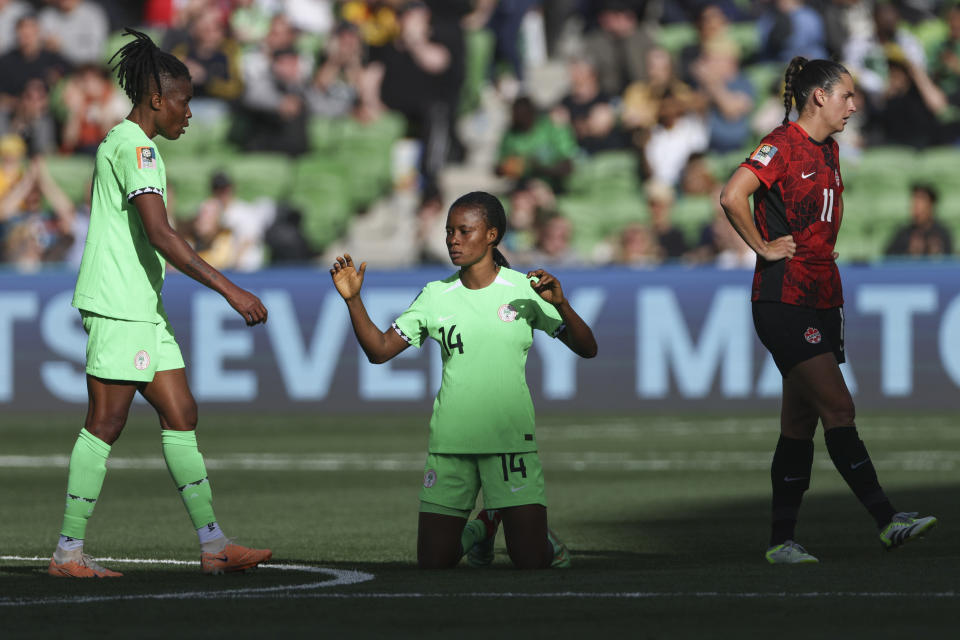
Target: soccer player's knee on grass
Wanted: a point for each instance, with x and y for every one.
(445, 556)
(530, 552)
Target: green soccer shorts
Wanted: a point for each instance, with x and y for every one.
(129, 350)
(451, 482)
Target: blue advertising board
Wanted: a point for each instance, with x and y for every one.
(671, 339)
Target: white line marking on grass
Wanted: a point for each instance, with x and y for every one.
(652, 461)
(338, 578)
(343, 577)
(638, 595)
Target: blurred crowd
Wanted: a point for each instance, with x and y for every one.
(269, 68)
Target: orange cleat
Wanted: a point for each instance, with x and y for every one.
(233, 558)
(80, 566)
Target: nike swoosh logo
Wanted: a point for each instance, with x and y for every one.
(445, 318)
(789, 479)
(515, 489)
(857, 465)
(222, 558)
(806, 175)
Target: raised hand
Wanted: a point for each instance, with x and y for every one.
(546, 286)
(346, 278)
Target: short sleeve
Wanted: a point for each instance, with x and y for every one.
(138, 170)
(412, 323)
(767, 161)
(546, 318)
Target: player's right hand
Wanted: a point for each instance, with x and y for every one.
(346, 278)
(782, 247)
(249, 307)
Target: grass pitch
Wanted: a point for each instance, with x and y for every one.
(667, 519)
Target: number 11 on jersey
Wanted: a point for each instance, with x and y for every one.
(827, 214)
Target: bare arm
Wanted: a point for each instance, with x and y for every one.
(62, 206)
(379, 346)
(934, 97)
(432, 57)
(177, 252)
(735, 200)
(10, 203)
(576, 334)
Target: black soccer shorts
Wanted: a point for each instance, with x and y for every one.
(794, 334)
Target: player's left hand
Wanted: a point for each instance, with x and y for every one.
(546, 286)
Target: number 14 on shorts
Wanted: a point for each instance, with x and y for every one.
(512, 463)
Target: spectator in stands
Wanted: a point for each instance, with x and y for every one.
(76, 29)
(589, 110)
(641, 102)
(431, 228)
(719, 244)
(249, 22)
(698, 178)
(10, 12)
(790, 28)
(273, 112)
(29, 60)
(660, 199)
(376, 19)
(213, 58)
(13, 151)
(679, 133)
(638, 246)
(94, 106)
(911, 107)
(256, 63)
(310, 16)
(247, 222)
(421, 76)
(867, 54)
(552, 247)
(30, 233)
(339, 73)
(618, 47)
(945, 66)
(530, 200)
(505, 19)
(285, 238)
(31, 120)
(844, 20)
(712, 26)
(536, 146)
(924, 235)
(212, 241)
(729, 96)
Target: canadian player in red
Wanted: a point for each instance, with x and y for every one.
(799, 195)
(794, 178)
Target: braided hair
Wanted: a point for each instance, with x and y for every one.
(494, 215)
(803, 76)
(140, 60)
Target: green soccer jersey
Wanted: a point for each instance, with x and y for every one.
(483, 405)
(121, 273)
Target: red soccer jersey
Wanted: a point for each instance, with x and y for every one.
(800, 195)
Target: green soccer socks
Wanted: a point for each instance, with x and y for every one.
(88, 466)
(189, 474)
